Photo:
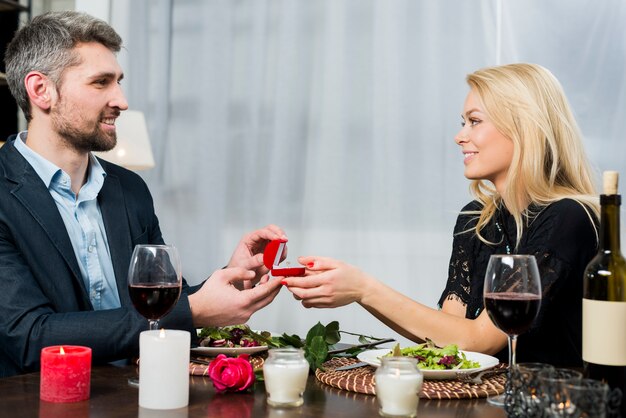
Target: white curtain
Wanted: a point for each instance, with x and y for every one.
(335, 119)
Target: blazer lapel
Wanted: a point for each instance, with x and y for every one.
(36, 199)
(113, 209)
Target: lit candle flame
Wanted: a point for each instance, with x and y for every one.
(61, 351)
(162, 333)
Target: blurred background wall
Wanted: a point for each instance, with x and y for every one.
(335, 119)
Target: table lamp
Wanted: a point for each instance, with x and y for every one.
(133, 149)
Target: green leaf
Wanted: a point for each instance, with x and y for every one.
(291, 340)
(449, 350)
(319, 339)
(332, 333)
(316, 352)
(396, 351)
(263, 337)
(318, 330)
(351, 352)
(215, 333)
(430, 356)
(364, 340)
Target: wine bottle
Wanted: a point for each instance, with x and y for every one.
(604, 298)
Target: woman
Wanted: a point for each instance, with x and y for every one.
(533, 194)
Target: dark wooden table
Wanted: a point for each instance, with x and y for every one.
(111, 396)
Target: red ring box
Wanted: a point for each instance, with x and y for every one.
(271, 258)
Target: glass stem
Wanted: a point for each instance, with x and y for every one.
(154, 324)
(512, 350)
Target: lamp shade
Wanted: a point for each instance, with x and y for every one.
(133, 149)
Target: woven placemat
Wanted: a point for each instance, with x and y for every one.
(196, 369)
(362, 380)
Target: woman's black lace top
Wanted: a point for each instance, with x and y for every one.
(563, 239)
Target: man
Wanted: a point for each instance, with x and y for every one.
(69, 221)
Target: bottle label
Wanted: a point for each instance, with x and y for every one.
(604, 332)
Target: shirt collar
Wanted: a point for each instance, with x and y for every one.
(47, 171)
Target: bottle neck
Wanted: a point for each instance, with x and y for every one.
(609, 222)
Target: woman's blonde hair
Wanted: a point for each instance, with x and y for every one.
(526, 103)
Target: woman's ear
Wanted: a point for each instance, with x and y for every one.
(40, 90)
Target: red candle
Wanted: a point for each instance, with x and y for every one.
(65, 373)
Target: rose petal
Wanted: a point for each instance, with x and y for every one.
(250, 379)
(231, 376)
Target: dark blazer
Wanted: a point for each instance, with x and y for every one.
(43, 300)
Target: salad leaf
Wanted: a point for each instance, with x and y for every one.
(232, 336)
(431, 357)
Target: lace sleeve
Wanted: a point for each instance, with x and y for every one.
(458, 286)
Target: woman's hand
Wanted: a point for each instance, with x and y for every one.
(328, 283)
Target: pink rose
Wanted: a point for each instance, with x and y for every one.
(231, 374)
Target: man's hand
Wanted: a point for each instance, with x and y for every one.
(219, 303)
(249, 253)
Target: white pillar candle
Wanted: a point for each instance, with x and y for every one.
(398, 383)
(164, 369)
(285, 373)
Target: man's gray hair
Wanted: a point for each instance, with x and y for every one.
(46, 44)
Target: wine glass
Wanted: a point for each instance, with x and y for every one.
(154, 282)
(512, 296)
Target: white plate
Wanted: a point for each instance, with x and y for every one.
(229, 351)
(372, 357)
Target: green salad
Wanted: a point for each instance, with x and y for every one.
(233, 336)
(431, 357)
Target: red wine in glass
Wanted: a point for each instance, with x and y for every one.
(512, 312)
(154, 300)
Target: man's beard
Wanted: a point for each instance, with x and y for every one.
(77, 133)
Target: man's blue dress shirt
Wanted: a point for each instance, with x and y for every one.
(83, 221)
